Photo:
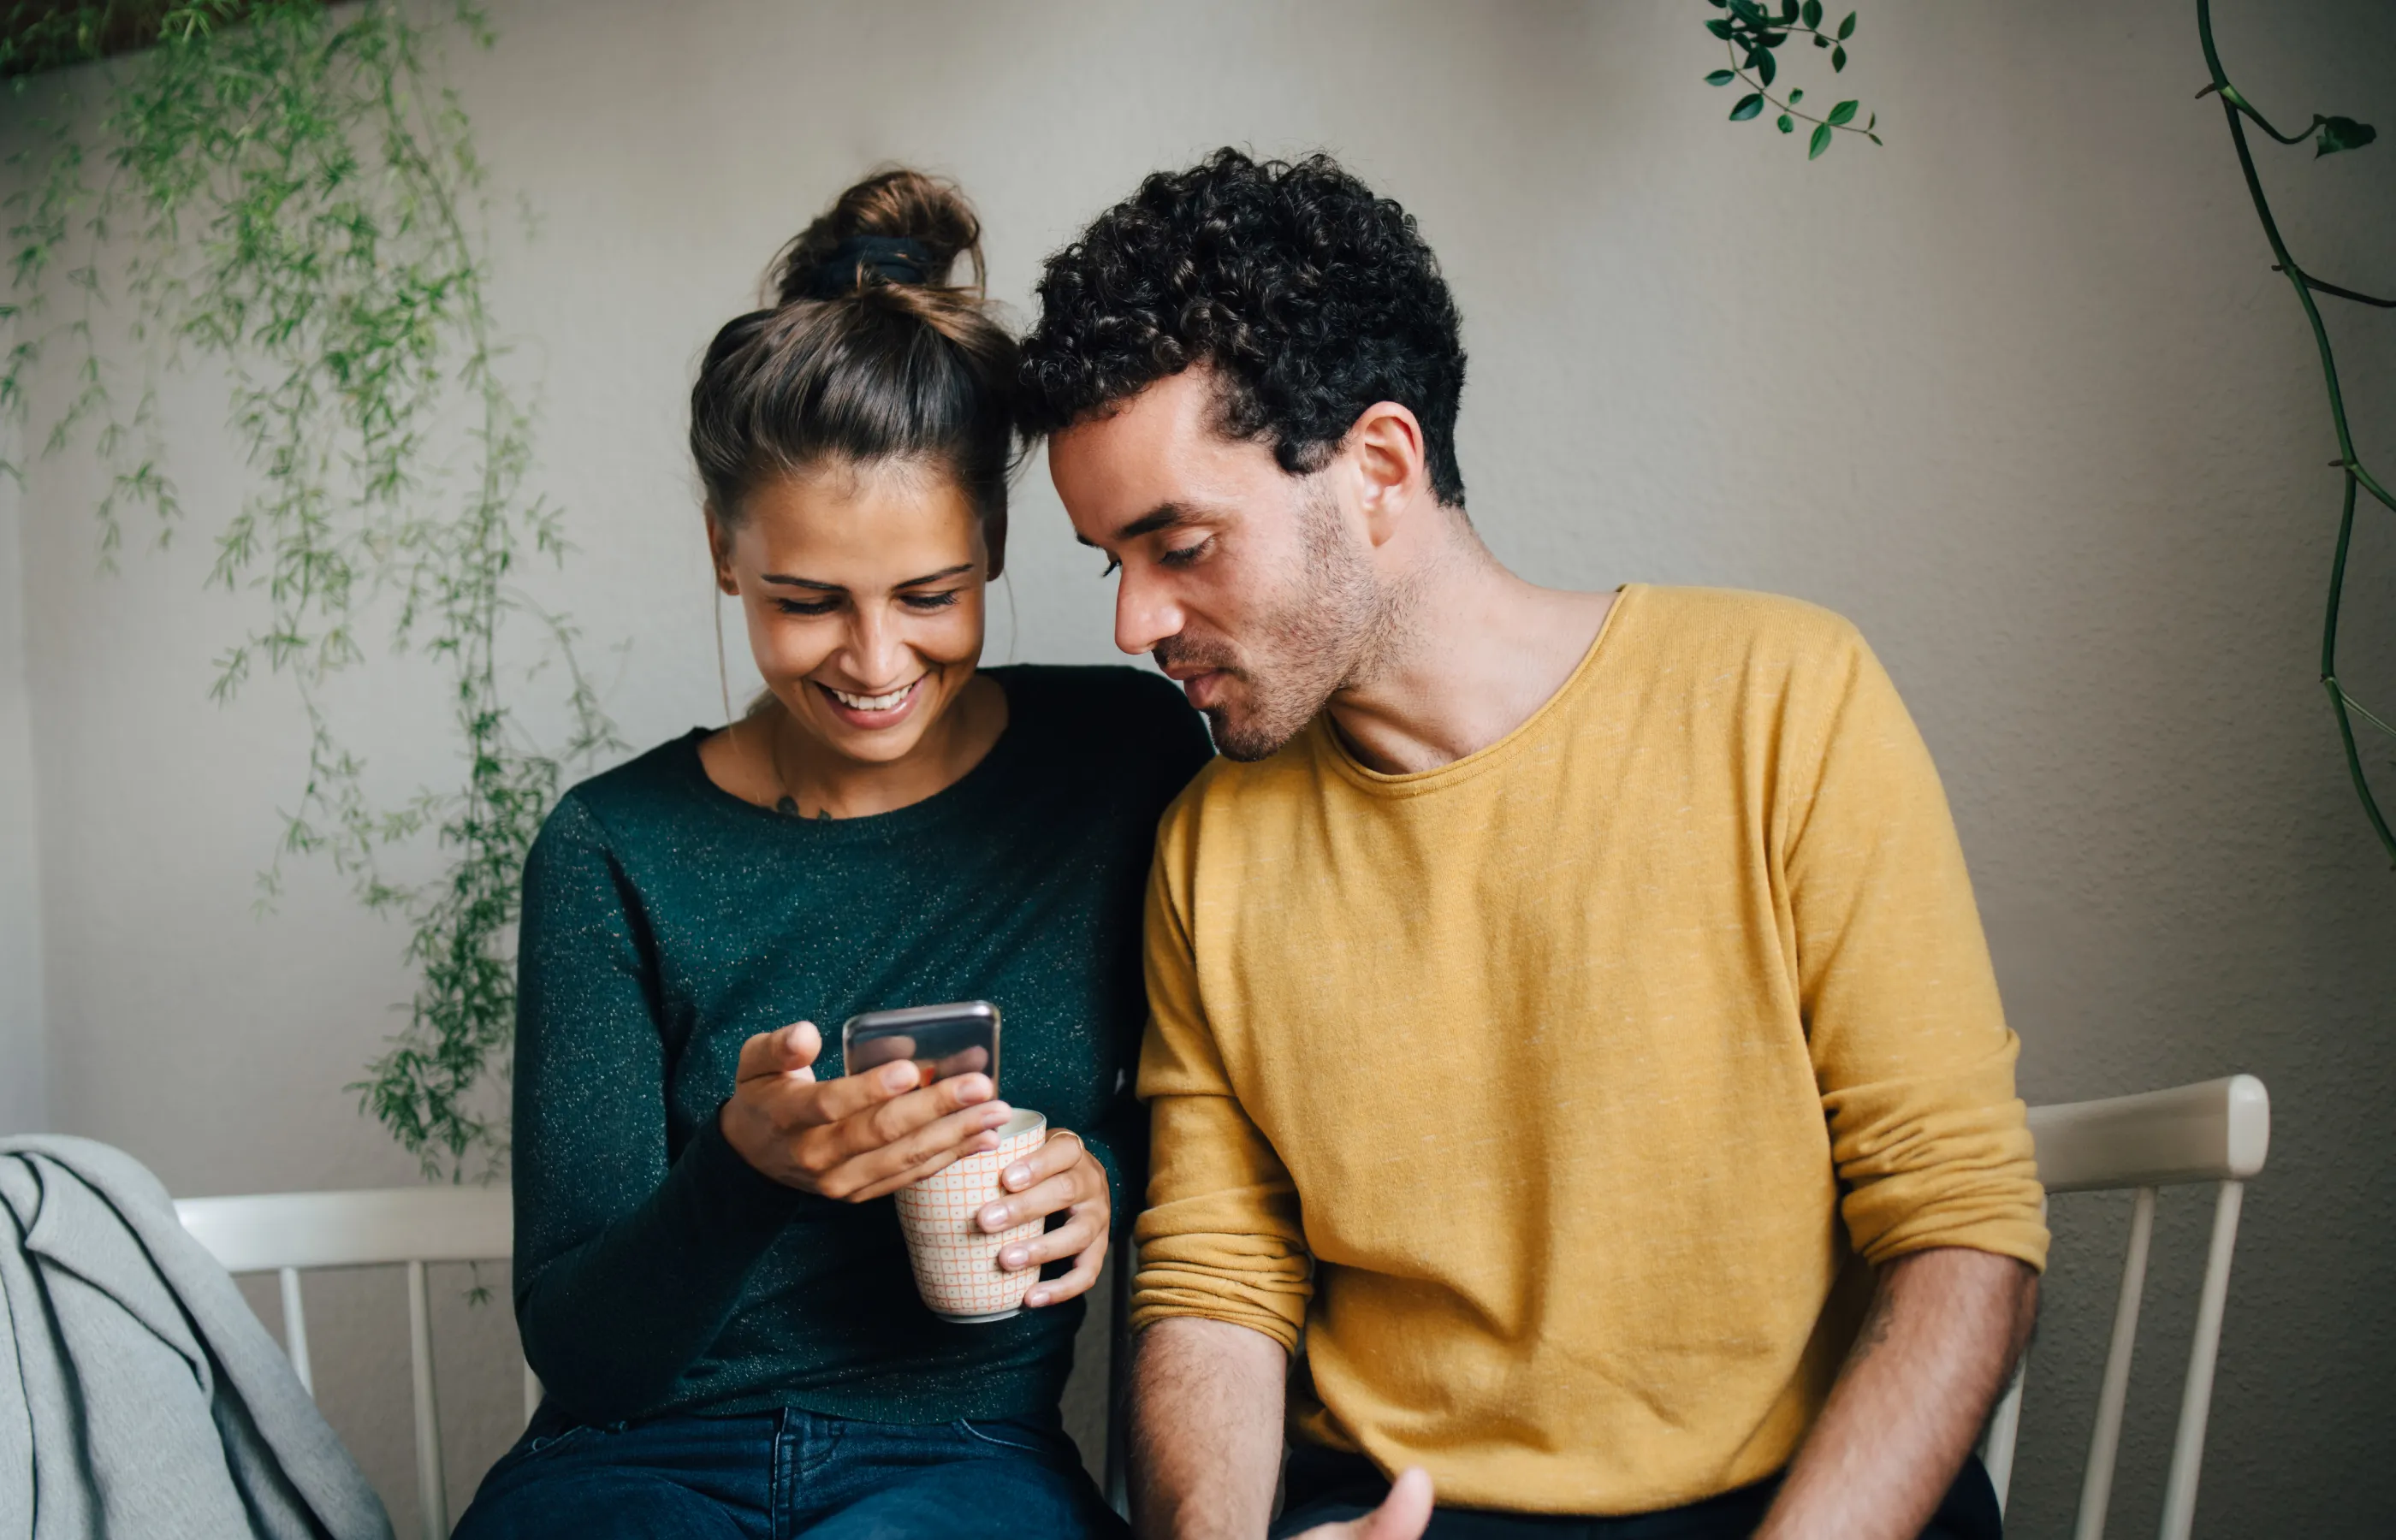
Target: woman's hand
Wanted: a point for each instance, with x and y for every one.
(1060, 1174)
(859, 1137)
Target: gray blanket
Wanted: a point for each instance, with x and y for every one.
(139, 1396)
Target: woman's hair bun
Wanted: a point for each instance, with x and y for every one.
(894, 204)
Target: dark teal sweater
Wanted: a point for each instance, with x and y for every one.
(665, 921)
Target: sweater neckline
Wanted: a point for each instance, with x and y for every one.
(1416, 783)
(975, 788)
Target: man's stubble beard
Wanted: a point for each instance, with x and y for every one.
(1329, 624)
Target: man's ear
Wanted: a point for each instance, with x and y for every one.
(1386, 449)
(719, 552)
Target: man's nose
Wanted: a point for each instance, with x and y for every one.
(1144, 614)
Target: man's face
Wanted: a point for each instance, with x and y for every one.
(1252, 586)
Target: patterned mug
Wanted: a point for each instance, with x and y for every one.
(955, 1260)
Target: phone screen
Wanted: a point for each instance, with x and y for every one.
(944, 1040)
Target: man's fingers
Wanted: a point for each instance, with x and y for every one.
(779, 1051)
(1080, 1280)
(1405, 1513)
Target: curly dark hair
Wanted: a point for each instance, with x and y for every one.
(1310, 296)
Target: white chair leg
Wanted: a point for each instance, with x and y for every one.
(295, 1330)
(432, 1493)
(2196, 1396)
(532, 1393)
(2105, 1440)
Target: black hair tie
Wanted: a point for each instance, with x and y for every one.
(892, 258)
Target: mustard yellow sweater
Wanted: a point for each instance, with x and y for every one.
(1561, 1096)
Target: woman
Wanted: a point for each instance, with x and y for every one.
(710, 1281)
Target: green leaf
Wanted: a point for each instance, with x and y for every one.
(1847, 28)
(1838, 60)
(1843, 112)
(1720, 28)
(2342, 133)
(1796, 96)
(1766, 68)
(1821, 141)
(1746, 10)
(1749, 105)
(1813, 13)
(1875, 138)
(1821, 42)
(1875, 118)
(1721, 77)
(1788, 124)
(1788, 9)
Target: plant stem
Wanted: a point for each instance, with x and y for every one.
(1739, 70)
(2234, 107)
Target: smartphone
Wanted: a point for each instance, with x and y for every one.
(943, 1040)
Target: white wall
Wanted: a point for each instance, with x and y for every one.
(2017, 392)
(25, 1090)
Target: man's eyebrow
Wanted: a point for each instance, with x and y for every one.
(1162, 516)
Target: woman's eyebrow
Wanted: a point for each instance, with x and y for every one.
(945, 572)
(785, 578)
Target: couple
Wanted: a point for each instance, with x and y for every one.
(1573, 1079)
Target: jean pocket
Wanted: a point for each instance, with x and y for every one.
(1009, 1433)
(539, 1446)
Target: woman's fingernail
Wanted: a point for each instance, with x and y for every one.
(994, 1217)
(1013, 1257)
(1036, 1298)
(899, 1077)
(1018, 1176)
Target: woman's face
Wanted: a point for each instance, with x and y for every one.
(863, 585)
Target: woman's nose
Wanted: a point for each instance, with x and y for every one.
(876, 655)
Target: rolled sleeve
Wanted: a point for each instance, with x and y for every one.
(1221, 1239)
(1908, 1038)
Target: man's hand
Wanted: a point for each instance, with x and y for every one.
(1060, 1174)
(856, 1137)
(1944, 1333)
(1403, 1514)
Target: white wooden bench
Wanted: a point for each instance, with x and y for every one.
(2215, 1132)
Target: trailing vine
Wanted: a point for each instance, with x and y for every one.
(2328, 136)
(286, 192)
(1752, 35)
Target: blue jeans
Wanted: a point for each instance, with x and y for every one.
(777, 1475)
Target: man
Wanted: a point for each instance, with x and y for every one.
(1570, 1019)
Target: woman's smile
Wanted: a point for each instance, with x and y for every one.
(886, 709)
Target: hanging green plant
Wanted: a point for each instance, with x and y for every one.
(1754, 34)
(287, 192)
